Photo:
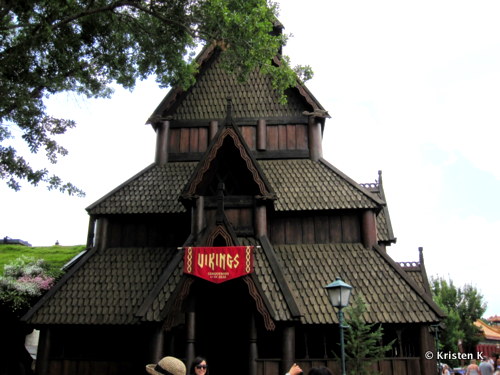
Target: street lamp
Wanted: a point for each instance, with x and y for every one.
(339, 293)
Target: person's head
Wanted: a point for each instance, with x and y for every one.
(167, 366)
(320, 371)
(199, 366)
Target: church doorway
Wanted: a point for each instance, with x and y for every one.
(223, 314)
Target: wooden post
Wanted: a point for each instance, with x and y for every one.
(288, 348)
(369, 229)
(101, 239)
(197, 218)
(157, 348)
(161, 156)
(261, 220)
(91, 232)
(427, 366)
(212, 129)
(42, 354)
(252, 352)
(315, 147)
(190, 332)
(261, 135)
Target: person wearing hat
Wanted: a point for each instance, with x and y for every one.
(167, 366)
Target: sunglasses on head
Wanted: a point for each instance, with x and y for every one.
(199, 367)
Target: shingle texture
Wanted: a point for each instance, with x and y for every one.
(254, 98)
(303, 184)
(389, 296)
(155, 190)
(108, 289)
(299, 184)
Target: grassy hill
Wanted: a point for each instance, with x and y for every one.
(55, 256)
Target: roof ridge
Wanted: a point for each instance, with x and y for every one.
(348, 179)
(122, 185)
(280, 277)
(428, 299)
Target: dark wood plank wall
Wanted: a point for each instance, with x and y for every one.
(148, 231)
(278, 137)
(82, 367)
(240, 218)
(188, 140)
(287, 137)
(315, 228)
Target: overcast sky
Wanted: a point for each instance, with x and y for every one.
(413, 90)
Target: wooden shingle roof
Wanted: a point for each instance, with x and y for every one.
(117, 286)
(154, 190)
(303, 184)
(253, 99)
(299, 184)
(391, 296)
(107, 287)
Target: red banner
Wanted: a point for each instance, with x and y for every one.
(218, 264)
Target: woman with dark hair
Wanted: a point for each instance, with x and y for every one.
(199, 366)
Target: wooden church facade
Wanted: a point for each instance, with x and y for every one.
(233, 167)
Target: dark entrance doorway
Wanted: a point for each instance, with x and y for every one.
(222, 325)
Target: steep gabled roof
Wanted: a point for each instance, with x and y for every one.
(253, 99)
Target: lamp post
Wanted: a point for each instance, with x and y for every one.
(339, 293)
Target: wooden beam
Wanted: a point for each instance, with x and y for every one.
(315, 138)
(162, 130)
(288, 351)
(369, 229)
(261, 135)
(212, 129)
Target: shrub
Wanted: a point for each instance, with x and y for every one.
(25, 279)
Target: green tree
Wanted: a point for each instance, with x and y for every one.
(52, 46)
(463, 307)
(363, 345)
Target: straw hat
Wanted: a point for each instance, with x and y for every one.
(167, 366)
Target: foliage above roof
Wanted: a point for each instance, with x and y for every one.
(253, 98)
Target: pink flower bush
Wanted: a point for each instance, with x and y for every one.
(22, 282)
(42, 282)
